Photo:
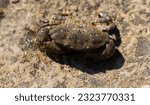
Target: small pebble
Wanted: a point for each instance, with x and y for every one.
(15, 1)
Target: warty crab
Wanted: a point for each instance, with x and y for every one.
(78, 38)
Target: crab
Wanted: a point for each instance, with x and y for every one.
(79, 38)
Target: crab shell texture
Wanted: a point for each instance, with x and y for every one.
(81, 38)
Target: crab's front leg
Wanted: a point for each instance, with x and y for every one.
(106, 24)
(106, 19)
(46, 23)
(110, 28)
(44, 40)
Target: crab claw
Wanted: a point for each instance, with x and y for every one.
(104, 18)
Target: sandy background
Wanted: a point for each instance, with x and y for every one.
(22, 65)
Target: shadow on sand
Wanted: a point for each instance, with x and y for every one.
(90, 66)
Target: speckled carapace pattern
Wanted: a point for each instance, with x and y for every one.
(79, 37)
(23, 66)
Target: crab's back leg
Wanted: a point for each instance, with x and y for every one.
(110, 49)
